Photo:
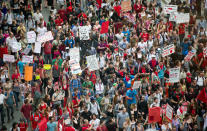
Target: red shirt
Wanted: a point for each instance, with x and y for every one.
(83, 15)
(69, 129)
(169, 25)
(47, 48)
(58, 21)
(118, 9)
(3, 50)
(145, 36)
(23, 126)
(181, 29)
(35, 118)
(15, 76)
(26, 110)
(62, 13)
(137, 7)
(43, 107)
(85, 127)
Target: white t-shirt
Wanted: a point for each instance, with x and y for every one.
(41, 30)
(96, 123)
(200, 81)
(2, 97)
(119, 37)
(37, 16)
(142, 46)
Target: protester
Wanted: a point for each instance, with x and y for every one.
(146, 70)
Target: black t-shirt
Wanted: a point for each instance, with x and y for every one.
(86, 115)
(110, 71)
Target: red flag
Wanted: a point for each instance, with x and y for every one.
(118, 9)
(105, 27)
(43, 125)
(154, 114)
(202, 96)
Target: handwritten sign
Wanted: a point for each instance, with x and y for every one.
(126, 6)
(16, 46)
(27, 59)
(31, 37)
(28, 70)
(168, 9)
(137, 84)
(189, 56)
(174, 75)
(74, 54)
(75, 67)
(37, 48)
(45, 37)
(170, 49)
(169, 112)
(84, 33)
(205, 52)
(182, 18)
(27, 49)
(8, 58)
(92, 62)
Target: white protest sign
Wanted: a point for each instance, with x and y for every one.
(27, 59)
(74, 54)
(84, 33)
(45, 37)
(182, 18)
(137, 84)
(189, 56)
(27, 49)
(174, 75)
(37, 48)
(8, 58)
(92, 62)
(31, 37)
(173, 16)
(169, 112)
(170, 49)
(75, 67)
(16, 46)
(168, 9)
(205, 52)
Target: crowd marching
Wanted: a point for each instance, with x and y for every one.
(104, 65)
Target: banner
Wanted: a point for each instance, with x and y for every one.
(27, 59)
(168, 50)
(74, 54)
(84, 33)
(169, 112)
(189, 56)
(31, 37)
(137, 84)
(75, 67)
(45, 37)
(174, 75)
(8, 58)
(168, 9)
(126, 6)
(37, 48)
(154, 114)
(28, 73)
(173, 16)
(92, 62)
(27, 49)
(205, 52)
(16, 46)
(104, 27)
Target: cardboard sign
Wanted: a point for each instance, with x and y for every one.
(169, 112)
(92, 62)
(189, 56)
(28, 70)
(170, 49)
(168, 9)
(205, 52)
(182, 18)
(37, 48)
(174, 75)
(84, 33)
(31, 37)
(104, 27)
(75, 67)
(126, 6)
(45, 37)
(27, 59)
(8, 58)
(16, 46)
(137, 84)
(74, 54)
(27, 49)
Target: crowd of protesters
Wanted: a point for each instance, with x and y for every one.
(103, 100)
